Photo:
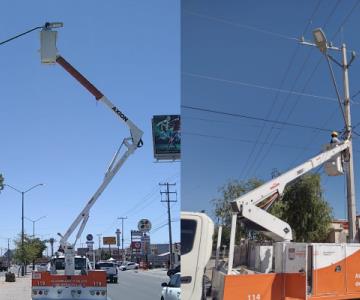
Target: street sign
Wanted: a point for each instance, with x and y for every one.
(136, 245)
(109, 240)
(136, 233)
(166, 137)
(145, 245)
(90, 245)
(144, 225)
(89, 237)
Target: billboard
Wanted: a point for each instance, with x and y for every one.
(109, 240)
(166, 137)
(136, 245)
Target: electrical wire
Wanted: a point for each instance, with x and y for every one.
(253, 118)
(311, 17)
(303, 90)
(343, 22)
(21, 34)
(239, 140)
(336, 88)
(258, 86)
(243, 26)
(254, 152)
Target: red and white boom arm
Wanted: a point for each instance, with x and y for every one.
(248, 205)
(49, 55)
(131, 143)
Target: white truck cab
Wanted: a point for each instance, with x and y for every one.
(196, 237)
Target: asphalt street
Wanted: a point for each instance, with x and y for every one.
(138, 285)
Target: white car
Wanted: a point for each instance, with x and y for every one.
(129, 266)
(110, 268)
(42, 267)
(171, 290)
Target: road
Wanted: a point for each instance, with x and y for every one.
(138, 285)
(134, 285)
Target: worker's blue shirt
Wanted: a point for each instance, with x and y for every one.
(335, 140)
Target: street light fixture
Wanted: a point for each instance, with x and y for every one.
(51, 25)
(34, 221)
(22, 219)
(320, 39)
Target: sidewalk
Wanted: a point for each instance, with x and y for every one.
(19, 290)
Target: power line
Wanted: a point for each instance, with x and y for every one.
(344, 21)
(248, 165)
(141, 204)
(21, 34)
(260, 161)
(239, 140)
(244, 26)
(258, 86)
(221, 121)
(254, 118)
(311, 17)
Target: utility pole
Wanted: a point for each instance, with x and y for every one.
(350, 183)
(99, 238)
(168, 200)
(8, 255)
(122, 236)
(324, 46)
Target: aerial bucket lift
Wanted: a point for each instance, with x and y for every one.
(296, 271)
(78, 279)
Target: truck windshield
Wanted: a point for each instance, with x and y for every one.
(80, 263)
(188, 230)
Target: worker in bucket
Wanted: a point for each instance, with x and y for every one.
(334, 138)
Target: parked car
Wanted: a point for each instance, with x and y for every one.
(110, 268)
(129, 266)
(171, 290)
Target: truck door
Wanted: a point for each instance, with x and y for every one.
(190, 244)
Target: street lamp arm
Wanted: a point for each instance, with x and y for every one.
(28, 190)
(38, 219)
(15, 189)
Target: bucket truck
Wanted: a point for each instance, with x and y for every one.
(296, 270)
(89, 284)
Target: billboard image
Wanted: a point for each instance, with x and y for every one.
(166, 137)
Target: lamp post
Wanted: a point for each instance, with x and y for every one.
(324, 46)
(34, 221)
(22, 220)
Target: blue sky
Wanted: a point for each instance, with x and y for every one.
(54, 132)
(235, 57)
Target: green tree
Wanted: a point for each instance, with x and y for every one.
(302, 206)
(222, 205)
(33, 249)
(305, 209)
